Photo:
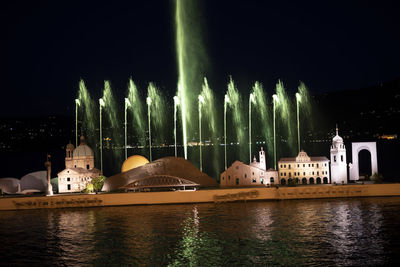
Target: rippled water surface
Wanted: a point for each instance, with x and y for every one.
(353, 232)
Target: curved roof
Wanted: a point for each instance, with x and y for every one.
(34, 180)
(9, 185)
(177, 169)
(82, 150)
(70, 146)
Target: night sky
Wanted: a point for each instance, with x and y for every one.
(48, 46)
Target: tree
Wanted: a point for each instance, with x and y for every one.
(98, 182)
(89, 188)
(377, 178)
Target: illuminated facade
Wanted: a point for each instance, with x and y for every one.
(304, 169)
(338, 160)
(240, 174)
(79, 168)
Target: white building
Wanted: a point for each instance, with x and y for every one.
(79, 168)
(338, 160)
(304, 169)
(240, 174)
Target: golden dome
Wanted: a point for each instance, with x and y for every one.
(133, 162)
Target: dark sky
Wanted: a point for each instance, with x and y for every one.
(47, 46)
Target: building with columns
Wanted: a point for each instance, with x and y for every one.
(304, 169)
(79, 168)
(240, 174)
(338, 160)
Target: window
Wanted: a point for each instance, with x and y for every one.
(223, 177)
(289, 166)
(87, 166)
(334, 158)
(304, 165)
(271, 179)
(281, 166)
(69, 187)
(312, 173)
(317, 173)
(298, 165)
(281, 173)
(309, 165)
(325, 164)
(284, 174)
(68, 179)
(262, 173)
(317, 165)
(284, 166)
(262, 181)
(253, 173)
(312, 165)
(304, 173)
(229, 177)
(254, 181)
(237, 181)
(75, 166)
(290, 174)
(245, 175)
(341, 158)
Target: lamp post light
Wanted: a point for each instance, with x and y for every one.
(201, 101)
(101, 104)
(148, 101)
(275, 100)
(251, 100)
(226, 101)
(127, 104)
(77, 103)
(298, 100)
(176, 103)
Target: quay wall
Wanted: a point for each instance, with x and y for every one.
(200, 196)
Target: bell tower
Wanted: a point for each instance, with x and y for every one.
(338, 160)
(263, 163)
(69, 155)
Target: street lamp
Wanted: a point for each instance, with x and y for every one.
(127, 104)
(275, 100)
(201, 101)
(148, 101)
(101, 104)
(251, 100)
(298, 100)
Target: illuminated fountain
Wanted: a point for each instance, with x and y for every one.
(210, 129)
(88, 113)
(138, 120)
(127, 105)
(101, 105)
(263, 118)
(201, 102)
(298, 100)
(226, 102)
(176, 104)
(148, 101)
(275, 100)
(77, 103)
(251, 100)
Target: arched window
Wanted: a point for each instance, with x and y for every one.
(325, 180)
(311, 180)
(304, 181)
(271, 180)
(283, 181)
(318, 180)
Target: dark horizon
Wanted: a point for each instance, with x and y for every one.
(49, 46)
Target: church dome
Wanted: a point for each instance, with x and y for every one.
(82, 150)
(337, 139)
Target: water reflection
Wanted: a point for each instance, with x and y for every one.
(305, 232)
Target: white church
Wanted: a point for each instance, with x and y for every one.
(79, 168)
(240, 174)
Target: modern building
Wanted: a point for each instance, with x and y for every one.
(338, 160)
(240, 174)
(79, 168)
(165, 174)
(304, 169)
